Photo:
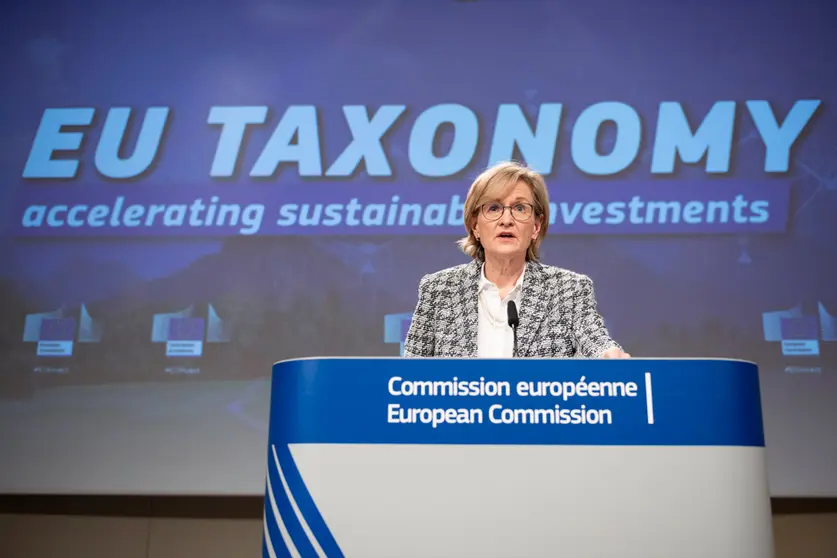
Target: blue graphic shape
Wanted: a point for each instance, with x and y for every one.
(218, 330)
(182, 333)
(186, 329)
(291, 516)
(828, 324)
(55, 338)
(396, 327)
(57, 329)
(804, 327)
(89, 329)
(160, 323)
(33, 323)
(772, 322)
(283, 512)
(800, 336)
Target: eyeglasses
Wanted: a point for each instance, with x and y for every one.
(520, 211)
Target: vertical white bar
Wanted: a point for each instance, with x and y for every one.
(649, 398)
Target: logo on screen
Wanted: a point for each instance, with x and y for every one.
(56, 337)
(799, 334)
(185, 337)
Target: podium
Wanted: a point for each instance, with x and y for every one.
(402, 457)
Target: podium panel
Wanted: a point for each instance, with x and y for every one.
(394, 457)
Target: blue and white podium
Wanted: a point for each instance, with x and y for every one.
(445, 458)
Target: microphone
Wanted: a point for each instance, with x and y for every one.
(514, 320)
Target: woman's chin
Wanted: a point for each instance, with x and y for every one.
(505, 248)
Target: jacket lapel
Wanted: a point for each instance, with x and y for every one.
(469, 295)
(533, 307)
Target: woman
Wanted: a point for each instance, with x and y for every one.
(462, 311)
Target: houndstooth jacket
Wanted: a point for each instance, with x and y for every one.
(557, 309)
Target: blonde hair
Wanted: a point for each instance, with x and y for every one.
(490, 185)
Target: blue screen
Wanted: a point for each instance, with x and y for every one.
(197, 190)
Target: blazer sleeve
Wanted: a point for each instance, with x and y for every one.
(421, 341)
(588, 324)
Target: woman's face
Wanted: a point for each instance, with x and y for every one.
(506, 227)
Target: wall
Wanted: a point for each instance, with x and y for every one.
(136, 527)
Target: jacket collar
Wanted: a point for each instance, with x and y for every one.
(469, 294)
(532, 307)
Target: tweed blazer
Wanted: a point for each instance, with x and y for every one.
(557, 310)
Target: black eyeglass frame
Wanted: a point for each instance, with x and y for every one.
(484, 211)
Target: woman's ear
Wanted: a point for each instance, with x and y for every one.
(537, 228)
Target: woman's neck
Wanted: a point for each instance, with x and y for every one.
(504, 272)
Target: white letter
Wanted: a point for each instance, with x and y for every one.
(537, 148)
(233, 121)
(300, 121)
(366, 142)
(713, 138)
(392, 383)
(50, 138)
(779, 139)
(466, 134)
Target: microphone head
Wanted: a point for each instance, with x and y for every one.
(513, 318)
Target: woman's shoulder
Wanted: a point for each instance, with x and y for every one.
(456, 276)
(453, 275)
(560, 274)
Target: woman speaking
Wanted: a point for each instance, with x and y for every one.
(505, 303)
